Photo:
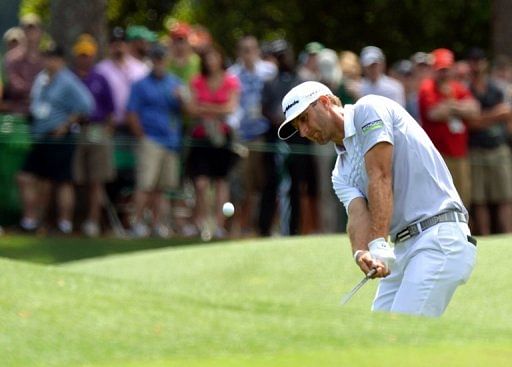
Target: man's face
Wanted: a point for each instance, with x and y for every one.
(117, 49)
(33, 33)
(313, 124)
(84, 61)
(249, 51)
(159, 65)
(373, 71)
(478, 66)
(442, 75)
(53, 63)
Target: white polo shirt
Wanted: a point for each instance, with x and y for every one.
(384, 86)
(422, 184)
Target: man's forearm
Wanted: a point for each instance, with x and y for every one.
(379, 162)
(358, 224)
(380, 204)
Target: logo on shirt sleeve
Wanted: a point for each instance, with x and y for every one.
(370, 126)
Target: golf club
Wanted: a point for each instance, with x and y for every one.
(354, 290)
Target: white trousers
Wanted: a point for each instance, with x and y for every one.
(428, 269)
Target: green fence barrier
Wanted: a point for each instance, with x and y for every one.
(14, 145)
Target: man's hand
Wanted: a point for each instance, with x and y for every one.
(61, 130)
(380, 256)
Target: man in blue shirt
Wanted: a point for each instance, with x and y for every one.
(154, 116)
(58, 100)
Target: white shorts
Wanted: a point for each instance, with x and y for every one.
(428, 269)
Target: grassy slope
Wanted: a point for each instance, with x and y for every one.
(257, 303)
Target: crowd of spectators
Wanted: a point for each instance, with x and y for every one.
(172, 128)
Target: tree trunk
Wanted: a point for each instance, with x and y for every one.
(70, 18)
(501, 33)
(8, 17)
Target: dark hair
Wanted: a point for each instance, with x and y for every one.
(208, 50)
(54, 50)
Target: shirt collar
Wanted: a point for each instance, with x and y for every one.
(348, 124)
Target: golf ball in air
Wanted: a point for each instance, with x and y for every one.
(228, 209)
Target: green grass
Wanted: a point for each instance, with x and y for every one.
(253, 303)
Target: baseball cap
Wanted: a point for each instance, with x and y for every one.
(278, 46)
(371, 55)
(442, 58)
(30, 19)
(329, 66)
(422, 58)
(403, 67)
(85, 45)
(476, 53)
(179, 30)
(54, 50)
(313, 47)
(117, 34)
(139, 32)
(157, 51)
(296, 101)
(14, 34)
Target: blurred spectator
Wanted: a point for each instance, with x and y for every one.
(154, 115)
(329, 69)
(375, 80)
(501, 74)
(93, 162)
(308, 68)
(402, 70)
(421, 69)
(121, 70)
(462, 72)
(491, 161)
(249, 122)
(58, 99)
(273, 92)
(422, 65)
(139, 40)
(214, 95)
(349, 90)
(183, 61)
(327, 219)
(21, 66)
(14, 37)
(446, 107)
(200, 38)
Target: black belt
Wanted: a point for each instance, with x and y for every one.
(417, 228)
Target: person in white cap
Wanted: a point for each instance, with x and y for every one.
(375, 80)
(394, 185)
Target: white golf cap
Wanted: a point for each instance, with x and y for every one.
(296, 101)
(371, 55)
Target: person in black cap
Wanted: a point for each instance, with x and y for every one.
(121, 70)
(154, 117)
(490, 157)
(300, 162)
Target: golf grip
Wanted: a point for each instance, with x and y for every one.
(371, 273)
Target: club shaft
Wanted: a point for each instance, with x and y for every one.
(354, 290)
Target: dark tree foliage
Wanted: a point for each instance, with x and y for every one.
(150, 13)
(399, 27)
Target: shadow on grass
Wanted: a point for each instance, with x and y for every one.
(56, 249)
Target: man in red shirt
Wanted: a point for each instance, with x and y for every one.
(447, 108)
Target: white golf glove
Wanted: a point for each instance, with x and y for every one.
(380, 250)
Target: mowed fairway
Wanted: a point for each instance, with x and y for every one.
(249, 303)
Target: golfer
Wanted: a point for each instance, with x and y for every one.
(395, 187)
